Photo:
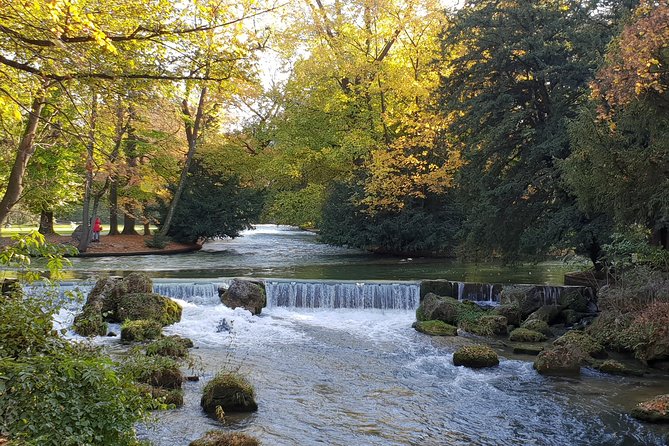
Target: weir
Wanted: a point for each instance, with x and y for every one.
(354, 295)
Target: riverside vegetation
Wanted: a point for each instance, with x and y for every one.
(55, 391)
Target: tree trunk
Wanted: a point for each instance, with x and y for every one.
(192, 128)
(113, 207)
(46, 223)
(25, 151)
(129, 224)
(147, 228)
(86, 224)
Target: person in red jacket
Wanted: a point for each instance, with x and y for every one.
(97, 227)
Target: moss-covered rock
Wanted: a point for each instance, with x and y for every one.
(655, 410)
(140, 330)
(433, 307)
(559, 361)
(525, 335)
(440, 287)
(159, 372)
(436, 328)
(613, 367)
(546, 313)
(575, 300)
(148, 306)
(475, 356)
(247, 294)
(231, 392)
(571, 317)
(172, 346)
(219, 438)
(537, 325)
(89, 322)
(511, 312)
(485, 324)
(527, 349)
(137, 283)
(526, 298)
(583, 342)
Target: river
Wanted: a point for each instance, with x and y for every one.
(363, 376)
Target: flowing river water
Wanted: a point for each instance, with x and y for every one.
(363, 376)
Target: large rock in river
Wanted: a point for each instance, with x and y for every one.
(229, 391)
(476, 356)
(150, 306)
(655, 410)
(248, 294)
(560, 361)
(220, 438)
(438, 308)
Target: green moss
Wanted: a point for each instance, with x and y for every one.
(475, 356)
(157, 371)
(433, 307)
(231, 392)
(148, 306)
(89, 323)
(135, 283)
(582, 341)
(559, 361)
(219, 438)
(436, 328)
(140, 330)
(484, 324)
(173, 346)
(655, 410)
(537, 325)
(525, 335)
(617, 368)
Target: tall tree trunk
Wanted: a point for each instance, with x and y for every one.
(86, 224)
(192, 128)
(129, 224)
(113, 177)
(25, 151)
(147, 228)
(113, 207)
(46, 223)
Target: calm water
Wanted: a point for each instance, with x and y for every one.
(286, 252)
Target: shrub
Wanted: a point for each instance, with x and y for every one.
(157, 241)
(68, 397)
(648, 333)
(172, 346)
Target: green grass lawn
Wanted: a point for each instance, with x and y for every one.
(65, 229)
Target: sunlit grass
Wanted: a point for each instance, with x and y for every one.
(61, 229)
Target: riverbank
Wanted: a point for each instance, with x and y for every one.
(118, 245)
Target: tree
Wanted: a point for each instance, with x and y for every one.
(514, 73)
(213, 205)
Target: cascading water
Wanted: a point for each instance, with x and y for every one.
(385, 296)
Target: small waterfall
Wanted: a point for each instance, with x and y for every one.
(486, 293)
(551, 294)
(194, 292)
(386, 296)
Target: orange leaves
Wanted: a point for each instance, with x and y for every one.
(638, 62)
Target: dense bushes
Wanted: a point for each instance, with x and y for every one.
(422, 227)
(213, 205)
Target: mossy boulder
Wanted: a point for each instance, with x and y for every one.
(546, 313)
(172, 346)
(526, 335)
(575, 300)
(655, 410)
(526, 298)
(559, 361)
(571, 317)
(247, 294)
(583, 342)
(485, 324)
(231, 392)
(436, 328)
(445, 309)
(89, 322)
(159, 372)
(140, 330)
(148, 306)
(219, 438)
(440, 287)
(136, 283)
(511, 312)
(613, 367)
(170, 397)
(537, 325)
(475, 356)
(527, 349)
